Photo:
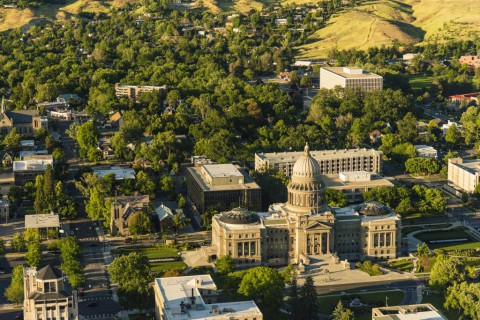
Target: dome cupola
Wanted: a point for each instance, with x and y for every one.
(306, 166)
(239, 216)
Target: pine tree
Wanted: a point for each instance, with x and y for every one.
(294, 298)
(48, 188)
(39, 204)
(308, 299)
(340, 313)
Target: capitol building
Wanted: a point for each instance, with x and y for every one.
(305, 227)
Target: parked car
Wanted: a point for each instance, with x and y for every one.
(92, 304)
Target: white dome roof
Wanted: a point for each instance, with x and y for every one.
(306, 166)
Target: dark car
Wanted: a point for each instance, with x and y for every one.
(19, 317)
(93, 244)
(92, 304)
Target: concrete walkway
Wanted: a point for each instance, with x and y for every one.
(413, 242)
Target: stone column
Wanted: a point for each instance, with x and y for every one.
(321, 242)
(328, 242)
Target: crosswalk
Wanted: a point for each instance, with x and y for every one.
(100, 316)
(87, 299)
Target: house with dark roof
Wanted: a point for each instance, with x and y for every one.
(47, 295)
(27, 122)
(123, 209)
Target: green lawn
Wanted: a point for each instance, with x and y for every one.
(420, 81)
(164, 266)
(402, 265)
(408, 229)
(375, 299)
(471, 243)
(159, 251)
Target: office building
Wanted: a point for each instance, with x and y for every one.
(195, 298)
(424, 311)
(464, 174)
(47, 295)
(354, 183)
(349, 77)
(223, 185)
(330, 161)
(31, 166)
(289, 233)
(134, 92)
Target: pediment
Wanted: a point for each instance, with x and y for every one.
(316, 225)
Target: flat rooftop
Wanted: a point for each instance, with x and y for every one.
(119, 172)
(177, 291)
(222, 170)
(472, 166)
(293, 156)
(32, 165)
(248, 182)
(423, 311)
(334, 181)
(355, 73)
(46, 220)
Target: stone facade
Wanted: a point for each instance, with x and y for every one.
(305, 226)
(123, 209)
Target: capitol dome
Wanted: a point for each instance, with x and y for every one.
(239, 216)
(306, 166)
(373, 208)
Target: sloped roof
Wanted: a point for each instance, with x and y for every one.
(48, 273)
(22, 116)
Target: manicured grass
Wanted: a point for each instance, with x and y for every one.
(405, 265)
(420, 81)
(408, 229)
(471, 243)
(374, 299)
(164, 266)
(156, 252)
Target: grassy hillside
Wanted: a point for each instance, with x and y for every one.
(15, 18)
(377, 23)
(447, 19)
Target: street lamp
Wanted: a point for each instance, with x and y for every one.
(386, 301)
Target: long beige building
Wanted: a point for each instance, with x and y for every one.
(464, 174)
(47, 297)
(134, 92)
(349, 77)
(330, 161)
(195, 298)
(290, 233)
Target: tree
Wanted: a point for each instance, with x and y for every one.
(340, 313)
(140, 223)
(464, 298)
(14, 292)
(71, 266)
(31, 235)
(452, 136)
(11, 142)
(265, 286)
(407, 128)
(132, 274)
(308, 299)
(95, 206)
(181, 201)
(39, 204)
(167, 185)
(225, 264)
(335, 198)
(86, 136)
(18, 242)
(447, 271)
(48, 188)
(294, 300)
(179, 221)
(15, 194)
(2, 245)
(34, 254)
(145, 184)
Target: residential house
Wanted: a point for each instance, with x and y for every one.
(424, 151)
(473, 61)
(375, 136)
(116, 119)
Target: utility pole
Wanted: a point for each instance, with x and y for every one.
(386, 301)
